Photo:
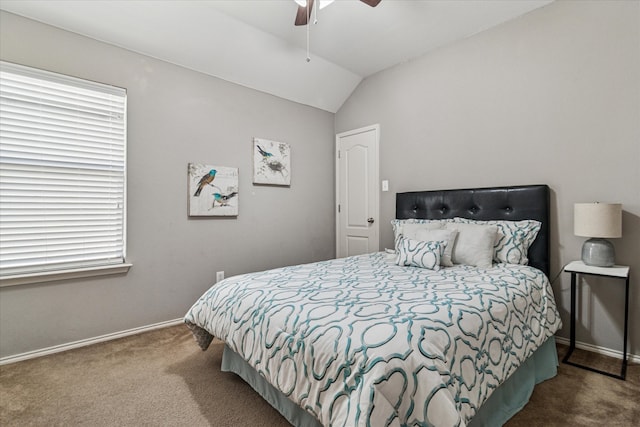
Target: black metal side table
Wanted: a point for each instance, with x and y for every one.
(616, 272)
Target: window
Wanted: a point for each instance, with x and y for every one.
(62, 176)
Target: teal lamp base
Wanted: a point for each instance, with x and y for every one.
(598, 253)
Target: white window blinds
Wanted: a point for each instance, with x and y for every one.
(62, 172)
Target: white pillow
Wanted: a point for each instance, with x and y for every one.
(474, 244)
(411, 229)
(513, 240)
(416, 253)
(435, 235)
(399, 226)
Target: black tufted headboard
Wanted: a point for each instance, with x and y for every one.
(508, 203)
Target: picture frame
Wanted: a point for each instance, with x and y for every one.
(271, 162)
(212, 190)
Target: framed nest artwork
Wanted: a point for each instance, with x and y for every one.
(213, 190)
(271, 162)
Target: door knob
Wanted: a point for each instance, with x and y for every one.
(370, 220)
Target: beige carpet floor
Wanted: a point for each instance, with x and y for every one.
(162, 378)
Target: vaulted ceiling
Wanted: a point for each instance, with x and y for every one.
(255, 44)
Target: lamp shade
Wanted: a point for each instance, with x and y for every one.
(597, 220)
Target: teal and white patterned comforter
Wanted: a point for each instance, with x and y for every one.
(360, 341)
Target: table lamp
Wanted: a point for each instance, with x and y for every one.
(598, 221)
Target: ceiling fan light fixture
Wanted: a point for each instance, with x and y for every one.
(305, 7)
(324, 3)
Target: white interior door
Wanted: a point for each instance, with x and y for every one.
(357, 210)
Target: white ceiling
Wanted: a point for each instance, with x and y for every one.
(255, 44)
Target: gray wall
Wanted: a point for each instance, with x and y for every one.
(175, 116)
(541, 99)
(552, 97)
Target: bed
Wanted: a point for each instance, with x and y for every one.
(422, 336)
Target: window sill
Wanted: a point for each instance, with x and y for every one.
(50, 276)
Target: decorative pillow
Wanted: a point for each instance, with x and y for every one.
(513, 240)
(399, 225)
(435, 235)
(416, 253)
(474, 244)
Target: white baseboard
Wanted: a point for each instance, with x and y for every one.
(635, 358)
(83, 343)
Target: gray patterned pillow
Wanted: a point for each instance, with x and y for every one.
(417, 253)
(513, 240)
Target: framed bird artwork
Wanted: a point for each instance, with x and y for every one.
(271, 162)
(213, 190)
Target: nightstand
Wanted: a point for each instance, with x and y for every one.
(616, 272)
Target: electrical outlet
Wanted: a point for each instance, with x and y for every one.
(219, 276)
(385, 185)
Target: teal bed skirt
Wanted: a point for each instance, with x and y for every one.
(504, 403)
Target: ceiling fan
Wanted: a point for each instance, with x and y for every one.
(305, 6)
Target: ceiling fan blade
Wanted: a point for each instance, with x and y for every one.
(304, 13)
(372, 3)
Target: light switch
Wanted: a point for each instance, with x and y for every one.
(385, 185)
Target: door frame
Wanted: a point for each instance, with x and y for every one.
(376, 179)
